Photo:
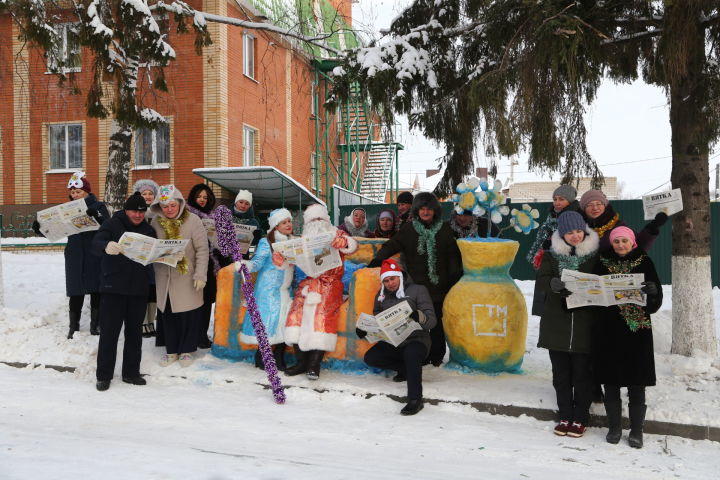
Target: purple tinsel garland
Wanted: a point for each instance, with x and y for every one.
(227, 244)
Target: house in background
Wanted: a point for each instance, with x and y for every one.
(253, 98)
(519, 192)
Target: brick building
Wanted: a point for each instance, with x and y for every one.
(251, 98)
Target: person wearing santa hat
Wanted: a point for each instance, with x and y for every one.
(311, 324)
(407, 358)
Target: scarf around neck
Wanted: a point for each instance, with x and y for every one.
(171, 227)
(426, 243)
(634, 315)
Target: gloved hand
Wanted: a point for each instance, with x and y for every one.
(239, 263)
(360, 333)
(654, 226)
(199, 284)
(340, 242)
(278, 259)
(557, 285)
(36, 228)
(649, 288)
(113, 248)
(92, 212)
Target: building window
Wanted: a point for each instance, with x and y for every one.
(66, 53)
(65, 146)
(249, 146)
(249, 55)
(152, 147)
(314, 100)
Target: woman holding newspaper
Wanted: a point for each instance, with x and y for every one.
(82, 268)
(408, 357)
(180, 289)
(567, 333)
(624, 338)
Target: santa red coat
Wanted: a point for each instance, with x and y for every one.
(313, 317)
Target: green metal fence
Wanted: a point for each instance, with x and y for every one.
(631, 212)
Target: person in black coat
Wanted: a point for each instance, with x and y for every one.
(407, 358)
(124, 285)
(82, 268)
(624, 352)
(432, 258)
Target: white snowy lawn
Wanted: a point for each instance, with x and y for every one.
(215, 420)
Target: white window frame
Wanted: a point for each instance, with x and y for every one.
(249, 55)
(154, 163)
(66, 161)
(250, 141)
(63, 27)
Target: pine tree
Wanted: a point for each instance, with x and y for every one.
(519, 74)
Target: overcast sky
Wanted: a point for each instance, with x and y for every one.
(628, 128)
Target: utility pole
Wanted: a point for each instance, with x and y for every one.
(717, 182)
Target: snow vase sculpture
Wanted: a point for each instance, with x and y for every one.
(484, 314)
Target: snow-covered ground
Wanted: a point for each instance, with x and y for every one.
(216, 420)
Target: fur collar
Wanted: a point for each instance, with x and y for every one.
(587, 247)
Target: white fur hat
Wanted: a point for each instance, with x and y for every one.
(244, 195)
(277, 216)
(315, 212)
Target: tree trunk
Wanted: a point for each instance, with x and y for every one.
(693, 318)
(116, 181)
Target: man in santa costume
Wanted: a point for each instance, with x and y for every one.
(311, 324)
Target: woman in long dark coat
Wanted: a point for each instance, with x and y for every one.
(624, 353)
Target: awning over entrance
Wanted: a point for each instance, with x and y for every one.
(270, 187)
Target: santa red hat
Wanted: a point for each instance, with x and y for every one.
(391, 268)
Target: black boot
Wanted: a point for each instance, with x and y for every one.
(412, 407)
(94, 321)
(74, 323)
(613, 410)
(313, 371)
(302, 363)
(258, 359)
(279, 354)
(637, 420)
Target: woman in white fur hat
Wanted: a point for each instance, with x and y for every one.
(272, 288)
(244, 214)
(180, 289)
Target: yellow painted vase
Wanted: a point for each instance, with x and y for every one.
(484, 314)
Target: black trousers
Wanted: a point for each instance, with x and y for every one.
(573, 382)
(181, 329)
(407, 359)
(116, 311)
(437, 336)
(636, 394)
(76, 302)
(204, 321)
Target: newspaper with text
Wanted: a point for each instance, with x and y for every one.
(209, 225)
(313, 255)
(66, 219)
(613, 289)
(146, 250)
(393, 325)
(669, 202)
(244, 235)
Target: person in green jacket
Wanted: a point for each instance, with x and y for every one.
(567, 333)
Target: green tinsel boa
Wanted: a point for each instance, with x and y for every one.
(426, 243)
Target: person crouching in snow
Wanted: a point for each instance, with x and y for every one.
(407, 358)
(124, 286)
(624, 351)
(567, 334)
(311, 325)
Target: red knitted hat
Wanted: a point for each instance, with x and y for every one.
(390, 268)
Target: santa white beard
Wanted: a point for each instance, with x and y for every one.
(317, 227)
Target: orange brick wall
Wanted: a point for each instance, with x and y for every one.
(260, 103)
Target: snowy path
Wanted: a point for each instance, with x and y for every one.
(232, 431)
